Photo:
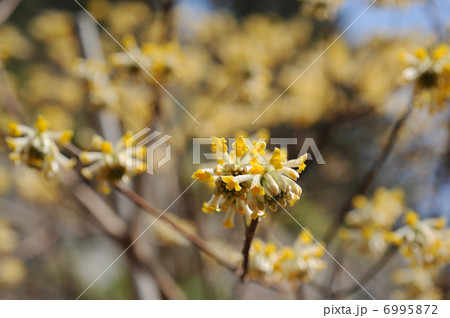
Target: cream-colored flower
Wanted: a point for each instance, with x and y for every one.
(424, 243)
(112, 164)
(416, 283)
(430, 73)
(299, 263)
(38, 147)
(371, 221)
(246, 180)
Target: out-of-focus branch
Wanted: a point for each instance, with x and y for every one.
(369, 274)
(192, 237)
(116, 228)
(368, 179)
(100, 210)
(8, 98)
(165, 281)
(249, 234)
(37, 243)
(7, 7)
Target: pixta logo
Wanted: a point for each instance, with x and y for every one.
(153, 144)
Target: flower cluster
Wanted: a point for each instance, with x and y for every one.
(430, 73)
(246, 180)
(370, 222)
(113, 164)
(299, 263)
(38, 147)
(424, 243)
(415, 283)
(160, 60)
(12, 269)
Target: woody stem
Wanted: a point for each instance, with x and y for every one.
(249, 234)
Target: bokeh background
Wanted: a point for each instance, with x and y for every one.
(225, 62)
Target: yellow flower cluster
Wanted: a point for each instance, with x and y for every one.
(12, 269)
(371, 221)
(299, 263)
(416, 283)
(248, 179)
(429, 70)
(38, 147)
(160, 60)
(424, 243)
(113, 164)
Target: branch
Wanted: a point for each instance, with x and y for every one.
(117, 229)
(369, 274)
(7, 96)
(368, 179)
(249, 234)
(192, 237)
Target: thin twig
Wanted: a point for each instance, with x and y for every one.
(368, 179)
(249, 234)
(370, 273)
(7, 95)
(192, 237)
(117, 229)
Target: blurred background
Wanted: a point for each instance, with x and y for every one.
(225, 62)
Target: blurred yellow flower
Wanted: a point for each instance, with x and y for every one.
(38, 148)
(113, 163)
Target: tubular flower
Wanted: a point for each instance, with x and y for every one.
(295, 264)
(370, 222)
(424, 243)
(112, 164)
(430, 73)
(246, 179)
(38, 147)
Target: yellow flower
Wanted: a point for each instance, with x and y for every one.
(411, 218)
(38, 148)
(276, 159)
(427, 70)
(112, 164)
(232, 184)
(245, 183)
(219, 144)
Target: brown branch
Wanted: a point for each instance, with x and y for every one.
(192, 237)
(369, 274)
(249, 234)
(117, 229)
(7, 95)
(369, 178)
